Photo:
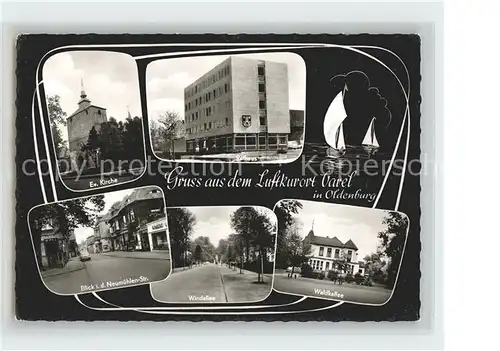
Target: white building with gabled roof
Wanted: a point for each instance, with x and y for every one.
(331, 254)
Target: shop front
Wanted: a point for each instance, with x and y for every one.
(142, 240)
(157, 235)
(54, 250)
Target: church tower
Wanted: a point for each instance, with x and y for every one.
(80, 122)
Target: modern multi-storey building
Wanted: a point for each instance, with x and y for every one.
(239, 105)
(331, 253)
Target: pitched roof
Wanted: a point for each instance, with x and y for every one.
(136, 195)
(83, 108)
(350, 245)
(326, 241)
(320, 240)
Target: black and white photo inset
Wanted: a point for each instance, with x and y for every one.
(94, 110)
(102, 242)
(230, 108)
(338, 252)
(219, 255)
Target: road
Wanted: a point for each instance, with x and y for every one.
(328, 290)
(102, 269)
(211, 283)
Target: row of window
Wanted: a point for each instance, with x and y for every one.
(121, 222)
(336, 255)
(207, 126)
(209, 96)
(250, 139)
(207, 111)
(325, 266)
(223, 72)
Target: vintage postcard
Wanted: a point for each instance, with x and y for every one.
(218, 177)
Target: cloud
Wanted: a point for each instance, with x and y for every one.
(359, 89)
(362, 102)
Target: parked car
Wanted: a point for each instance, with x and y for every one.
(293, 144)
(84, 255)
(295, 270)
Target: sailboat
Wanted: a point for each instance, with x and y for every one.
(338, 147)
(332, 126)
(370, 142)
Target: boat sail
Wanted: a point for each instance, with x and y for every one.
(332, 125)
(339, 138)
(370, 139)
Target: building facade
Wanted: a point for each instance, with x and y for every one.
(80, 122)
(56, 248)
(129, 221)
(239, 105)
(332, 254)
(103, 237)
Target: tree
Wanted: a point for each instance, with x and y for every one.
(297, 250)
(93, 140)
(375, 268)
(207, 248)
(57, 117)
(243, 221)
(157, 131)
(256, 231)
(173, 128)
(111, 141)
(222, 249)
(342, 263)
(66, 215)
(197, 253)
(181, 224)
(133, 145)
(392, 243)
(263, 237)
(236, 242)
(285, 211)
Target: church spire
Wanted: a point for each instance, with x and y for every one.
(83, 95)
(84, 101)
(128, 112)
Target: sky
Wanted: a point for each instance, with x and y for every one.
(214, 221)
(167, 78)
(110, 80)
(359, 224)
(82, 233)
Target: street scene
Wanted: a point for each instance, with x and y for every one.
(95, 118)
(219, 254)
(338, 252)
(102, 242)
(238, 108)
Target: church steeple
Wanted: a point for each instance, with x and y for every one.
(84, 101)
(128, 112)
(311, 232)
